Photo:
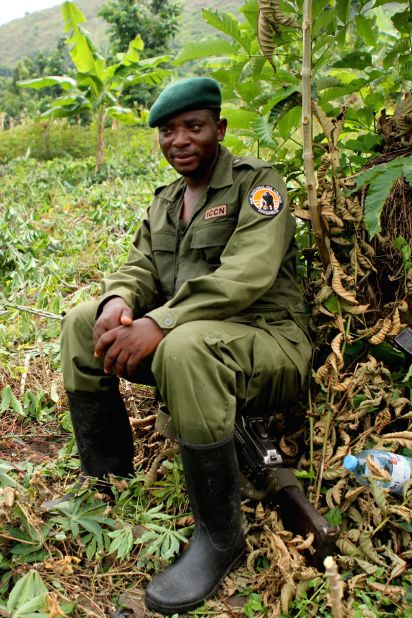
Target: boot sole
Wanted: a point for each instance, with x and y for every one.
(179, 609)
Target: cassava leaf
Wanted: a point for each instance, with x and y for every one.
(122, 542)
(228, 24)
(343, 10)
(340, 91)
(253, 68)
(381, 179)
(211, 46)
(263, 129)
(240, 118)
(5, 479)
(251, 11)
(366, 28)
(356, 60)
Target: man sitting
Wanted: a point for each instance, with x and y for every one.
(206, 308)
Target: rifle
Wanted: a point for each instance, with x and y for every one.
(261, 461)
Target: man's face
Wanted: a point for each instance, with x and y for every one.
(189, 141)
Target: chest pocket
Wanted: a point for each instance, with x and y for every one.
(163, 247)
(211, 238)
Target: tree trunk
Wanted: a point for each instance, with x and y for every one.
(307, 133)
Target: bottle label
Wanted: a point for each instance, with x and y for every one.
(400, 472)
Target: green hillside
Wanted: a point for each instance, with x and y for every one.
(41, 30)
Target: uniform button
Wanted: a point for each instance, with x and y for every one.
(168, 321)
(299, 306)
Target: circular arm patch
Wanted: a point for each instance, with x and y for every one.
(266, 200)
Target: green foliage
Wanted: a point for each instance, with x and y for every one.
(350, 47)
(170, 490)
(17, 104)
(85, 519)
(253, 605)
(405, 250)
(156, 22)
(122, 542)
(28, 597)
(97, 85)
(380, 179)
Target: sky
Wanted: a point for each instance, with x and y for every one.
(13, 9)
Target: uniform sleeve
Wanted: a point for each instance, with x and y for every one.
(136, 281)
(249, 262)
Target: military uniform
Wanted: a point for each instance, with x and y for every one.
(229, 330)
(222, 288)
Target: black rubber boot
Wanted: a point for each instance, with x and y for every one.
(218, 544)
(103, 434)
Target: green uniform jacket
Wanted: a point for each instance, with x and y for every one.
(235, 260)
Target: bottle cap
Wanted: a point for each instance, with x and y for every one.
(350, 462)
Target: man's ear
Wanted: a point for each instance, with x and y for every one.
(221, 125)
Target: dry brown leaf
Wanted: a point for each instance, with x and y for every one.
(347, 547)
(399, 404)
(323, 294)
(376, 472)
(380, 497)
(403, 511)
(53, 606)
(303, 214)
(355, 515)
(9, 496)
(351, 496)
(403, 437)
(260, 512)
(383, 332)
(366, 566)
(353, 534)
(336, 345)
(287, 593)
(300, 544)
(338, 489)
(366, 545)
(271, 18)
(337, 285)
(395, 593)
(359, 310)
(396, 324)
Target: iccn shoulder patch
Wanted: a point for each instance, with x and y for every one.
(266, 200)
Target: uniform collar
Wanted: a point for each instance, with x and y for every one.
(222, 174)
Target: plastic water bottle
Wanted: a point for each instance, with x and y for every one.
(399, 468)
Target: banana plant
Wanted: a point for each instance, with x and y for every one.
(96, 85)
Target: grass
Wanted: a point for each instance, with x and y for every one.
(62, 227)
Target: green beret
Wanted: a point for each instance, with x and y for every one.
(184, 95)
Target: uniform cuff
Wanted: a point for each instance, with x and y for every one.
(164, 317)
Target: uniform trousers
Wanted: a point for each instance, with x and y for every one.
(205, 370)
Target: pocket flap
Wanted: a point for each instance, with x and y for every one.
(213, 235)
(163, 241)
